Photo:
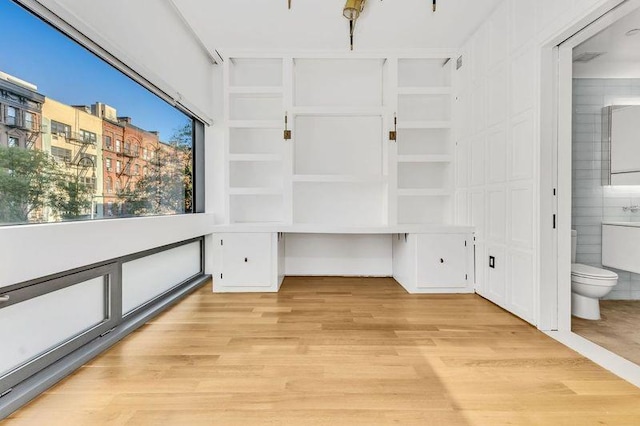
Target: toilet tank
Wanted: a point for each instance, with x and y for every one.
(574, 241)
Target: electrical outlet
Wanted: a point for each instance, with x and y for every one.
(492, 262)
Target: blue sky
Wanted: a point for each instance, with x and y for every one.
(63, 70)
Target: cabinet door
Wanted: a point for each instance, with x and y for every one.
(442, 260)
(246, 260)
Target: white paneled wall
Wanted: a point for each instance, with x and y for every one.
(592, 203)
(501, 143)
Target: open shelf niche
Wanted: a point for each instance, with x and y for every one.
(424, 143)
(254, 113)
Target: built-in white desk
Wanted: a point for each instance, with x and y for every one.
(422, 258)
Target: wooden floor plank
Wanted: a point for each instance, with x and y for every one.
(617, 331)
(336, 351)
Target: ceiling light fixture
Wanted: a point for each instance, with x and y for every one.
(351, 11)
(632, 32)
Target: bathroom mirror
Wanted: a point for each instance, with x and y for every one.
(621, 145)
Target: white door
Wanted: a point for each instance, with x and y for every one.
(246, 260)
(442, 260)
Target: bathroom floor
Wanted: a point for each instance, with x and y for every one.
(617, 331)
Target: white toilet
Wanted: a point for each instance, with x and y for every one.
(588, 285)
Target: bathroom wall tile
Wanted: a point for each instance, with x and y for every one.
(586, 202)
(589, 259)
(590, 240)
(588, 230)
(618, 295)
(589, 90)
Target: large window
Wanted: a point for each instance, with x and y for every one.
(51, 156)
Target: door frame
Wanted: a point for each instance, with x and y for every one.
(556, 150)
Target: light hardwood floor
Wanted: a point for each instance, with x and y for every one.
(618, 330)
(337, 351)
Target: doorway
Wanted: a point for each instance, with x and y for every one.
(598, 70)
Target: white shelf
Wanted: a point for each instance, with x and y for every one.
(434, 158)
(443, 90)
(424, 192)
(256, 90)
(340, 178)
(424, 124)
(255, 157)
(337, 110)
(255, 191)
(257, 124)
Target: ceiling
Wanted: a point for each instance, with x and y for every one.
(319, 24)
(621, 58)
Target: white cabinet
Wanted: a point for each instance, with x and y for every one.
(434, 263)
(248, 262)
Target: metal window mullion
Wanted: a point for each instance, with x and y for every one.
(65, 347)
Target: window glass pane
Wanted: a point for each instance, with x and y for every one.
(63, 126)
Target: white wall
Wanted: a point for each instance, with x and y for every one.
(502, 142)
(150, 38)
(338, 255)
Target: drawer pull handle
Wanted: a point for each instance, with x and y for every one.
(246, 259)
(4, 298)
(441, 260)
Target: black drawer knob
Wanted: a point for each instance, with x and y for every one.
(441, 260)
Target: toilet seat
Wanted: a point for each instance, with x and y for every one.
(591, 275)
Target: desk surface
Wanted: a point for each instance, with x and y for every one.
(336, 229)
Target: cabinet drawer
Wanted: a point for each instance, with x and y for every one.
(441, 261)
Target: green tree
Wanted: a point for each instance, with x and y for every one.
(26, 183)
(167, 187)
(71, 197)
(182, 142)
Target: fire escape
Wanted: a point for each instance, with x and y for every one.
(30, 128)
(81, 161)
(128, 154)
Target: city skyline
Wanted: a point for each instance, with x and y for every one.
(87, 81)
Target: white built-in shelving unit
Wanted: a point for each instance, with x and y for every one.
(424, 142)
(340, 167)
(254, 108)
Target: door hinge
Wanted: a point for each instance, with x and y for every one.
(221, 242)
(220, 276)
(554, 221)
(465, 243)
(554, 191)
(466, 277)
(107, 332)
